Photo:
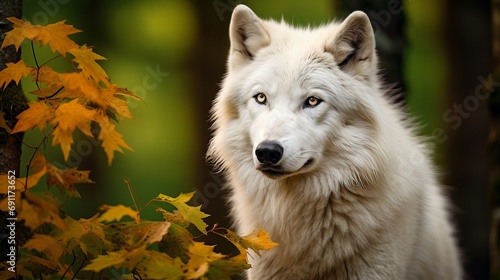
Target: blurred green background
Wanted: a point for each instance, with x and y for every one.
(172, 54)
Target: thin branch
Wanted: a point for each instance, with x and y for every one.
(81, 266)
(69, 267)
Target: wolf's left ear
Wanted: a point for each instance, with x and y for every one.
(353, 46)
(247, 34)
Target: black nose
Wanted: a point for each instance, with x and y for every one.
(269, 152)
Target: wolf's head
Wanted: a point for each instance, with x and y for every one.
(295, 98)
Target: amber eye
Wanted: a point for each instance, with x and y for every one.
(260, 98)
(312, 101)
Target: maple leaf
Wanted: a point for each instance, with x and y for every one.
(194, 215)
(105, 261)
(256, 241)
(116, 213)
(68, 116)
(200, 257)
(177, 242)
(48, 245)
(223, 269)
(86, 60)
(76, 85)
(130, 235)
(34, 265)
(63, 179)
(111, 139)
(158, 265)
(14, 72)
(55, 35)
(116, 100)
(45, 74)
(36, 115)
(21, 30)
(37, 210)
(20, 183)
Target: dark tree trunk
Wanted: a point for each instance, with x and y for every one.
(12, 99)
(12, 102)
(494, 150)
(468, 45)
(208, 66)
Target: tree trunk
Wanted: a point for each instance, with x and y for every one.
(12, 102)
(207, 64)
(12, 99)
(494, 148)
(470, 68)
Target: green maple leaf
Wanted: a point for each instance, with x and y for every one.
(192, 214)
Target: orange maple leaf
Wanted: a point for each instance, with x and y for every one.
(55, 35)
(63, 179)
(46, 75)
(111, 139)
(76, 85)
(86, 60)
(21, 30)
(14, 72)
(69, 116)
(36, 115)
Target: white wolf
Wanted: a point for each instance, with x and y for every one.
(318, 157)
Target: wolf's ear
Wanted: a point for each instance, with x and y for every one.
(247, 34)
(353, 46)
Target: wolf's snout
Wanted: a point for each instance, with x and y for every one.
(269, 152)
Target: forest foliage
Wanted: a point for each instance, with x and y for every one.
(116, 239)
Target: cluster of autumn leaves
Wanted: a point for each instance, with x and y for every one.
(117, 238)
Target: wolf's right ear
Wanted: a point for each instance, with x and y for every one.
(247, 34)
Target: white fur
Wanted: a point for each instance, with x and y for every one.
(368, 206)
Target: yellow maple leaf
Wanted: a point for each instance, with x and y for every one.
(51, 247)
(77, 86)
(157, 265)
(86, 60)
(21, 30)
(111, 139)
(55, 35)
(200, 257)
(105, 261)
(37, 210)
(65, 139)
(258, 240)
(63, 179)
(191, 214)
(69, 116)
(116, 213)
(116, 100)
(36, 115)
(45, 74)
(14, 72)
(20, 185)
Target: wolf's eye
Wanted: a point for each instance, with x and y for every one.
(312, 101)
(260, 98)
